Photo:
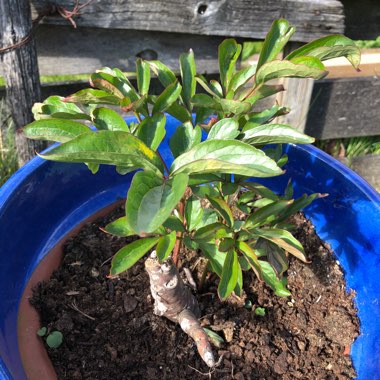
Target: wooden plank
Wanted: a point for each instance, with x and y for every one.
(239, 18)
(369, 168)
(369, 66)
(362, 19)
(65, 50)
(343, 108)
(20, 72)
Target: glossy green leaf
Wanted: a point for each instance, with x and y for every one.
(330, 47)
(229, 188)
(119, 227)
(215, 257)
(275, 40)
(285, 240)
(216, 87)
(281, 69)
(264, 117)
(190, 243)
(179, 112)
(165, 246)
(242, 77)
(267, 214)
(224, 129)
(260, 93)
(311, 62)
(54, 339)
(207, 87)
(229, 51)
(226, 244)
(275, 255)
(188, 72)
(209, 217)
(151, 200)
(55, 130)
(229, 276)
(184, 138)
(226, 106)
(270, 278)
(143, 76)
(203, 191)
(199, 179)
(225, 156)
(251, 258)
(260, 189)
(193, 212)
(115, 82)
(56, 107)
(152, 130)
(239, 283)
(109, 148)
(107, 119)
(164, 74)
(275, 134)
(174, 224)
(167, 97)
(202, 114)
(211, 231)
(92, 96)
(223, 209)
(127, 256)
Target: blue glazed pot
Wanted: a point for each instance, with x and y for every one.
(44, 200)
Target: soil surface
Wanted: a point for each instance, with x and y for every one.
(110, 331)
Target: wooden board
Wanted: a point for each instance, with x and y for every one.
(342, 108)
(65, 50)
(369, 168)
(240, 18)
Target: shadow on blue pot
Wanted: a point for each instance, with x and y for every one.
(44, 200)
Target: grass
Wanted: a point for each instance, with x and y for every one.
(8, 156)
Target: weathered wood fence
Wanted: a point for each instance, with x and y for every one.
(114, 32)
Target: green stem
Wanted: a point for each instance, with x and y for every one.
(203, 277)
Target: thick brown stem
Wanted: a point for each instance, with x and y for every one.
(175, 301)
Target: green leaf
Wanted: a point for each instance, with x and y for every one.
(330, 47)
(311, 62)
(275, 40)
(208, 217)
(202, 113)
(250, 48)
(193, 213)
(229, 51)
(151, 200)
(184, 138)
(174, 224)
(242, 77)
(167, 97)
(251, 258)
(119, 227)
(179, 112)
(199, 179)
(42, 331)
(270, 278)
(239, 283)
(261, 92)
(91, 96)
(127, 256)
(203, 191)
(264, 117)
(275, 134)
(152, 130)
(190, 243)
(226, 106)
(215, 339)
(107, 147)
(229, 188)
(165, 246)
(230, 275)
(266, 214)
(226, 244)
(225, 156)
(275, 255)
(285, 240)
(55, 130)
(260, 311)
(216, 88)
(260, 189)
(215, 257)
(223, 209)
(54, 339)
(107, 119)
(143, 76)
(211, 231)
(164, 74)
(188, 72)
(224, 129)
(113, 82)
(281, 69)
(56, 107)
(207, 87)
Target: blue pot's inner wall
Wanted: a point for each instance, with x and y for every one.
(44, 200)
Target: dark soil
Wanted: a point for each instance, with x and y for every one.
(110, 331)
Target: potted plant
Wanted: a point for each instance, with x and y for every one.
(214, 160)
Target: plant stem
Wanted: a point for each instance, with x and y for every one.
(203, 277)
(163, 162)
(178, 243)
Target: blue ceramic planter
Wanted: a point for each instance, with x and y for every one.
(44, 200)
